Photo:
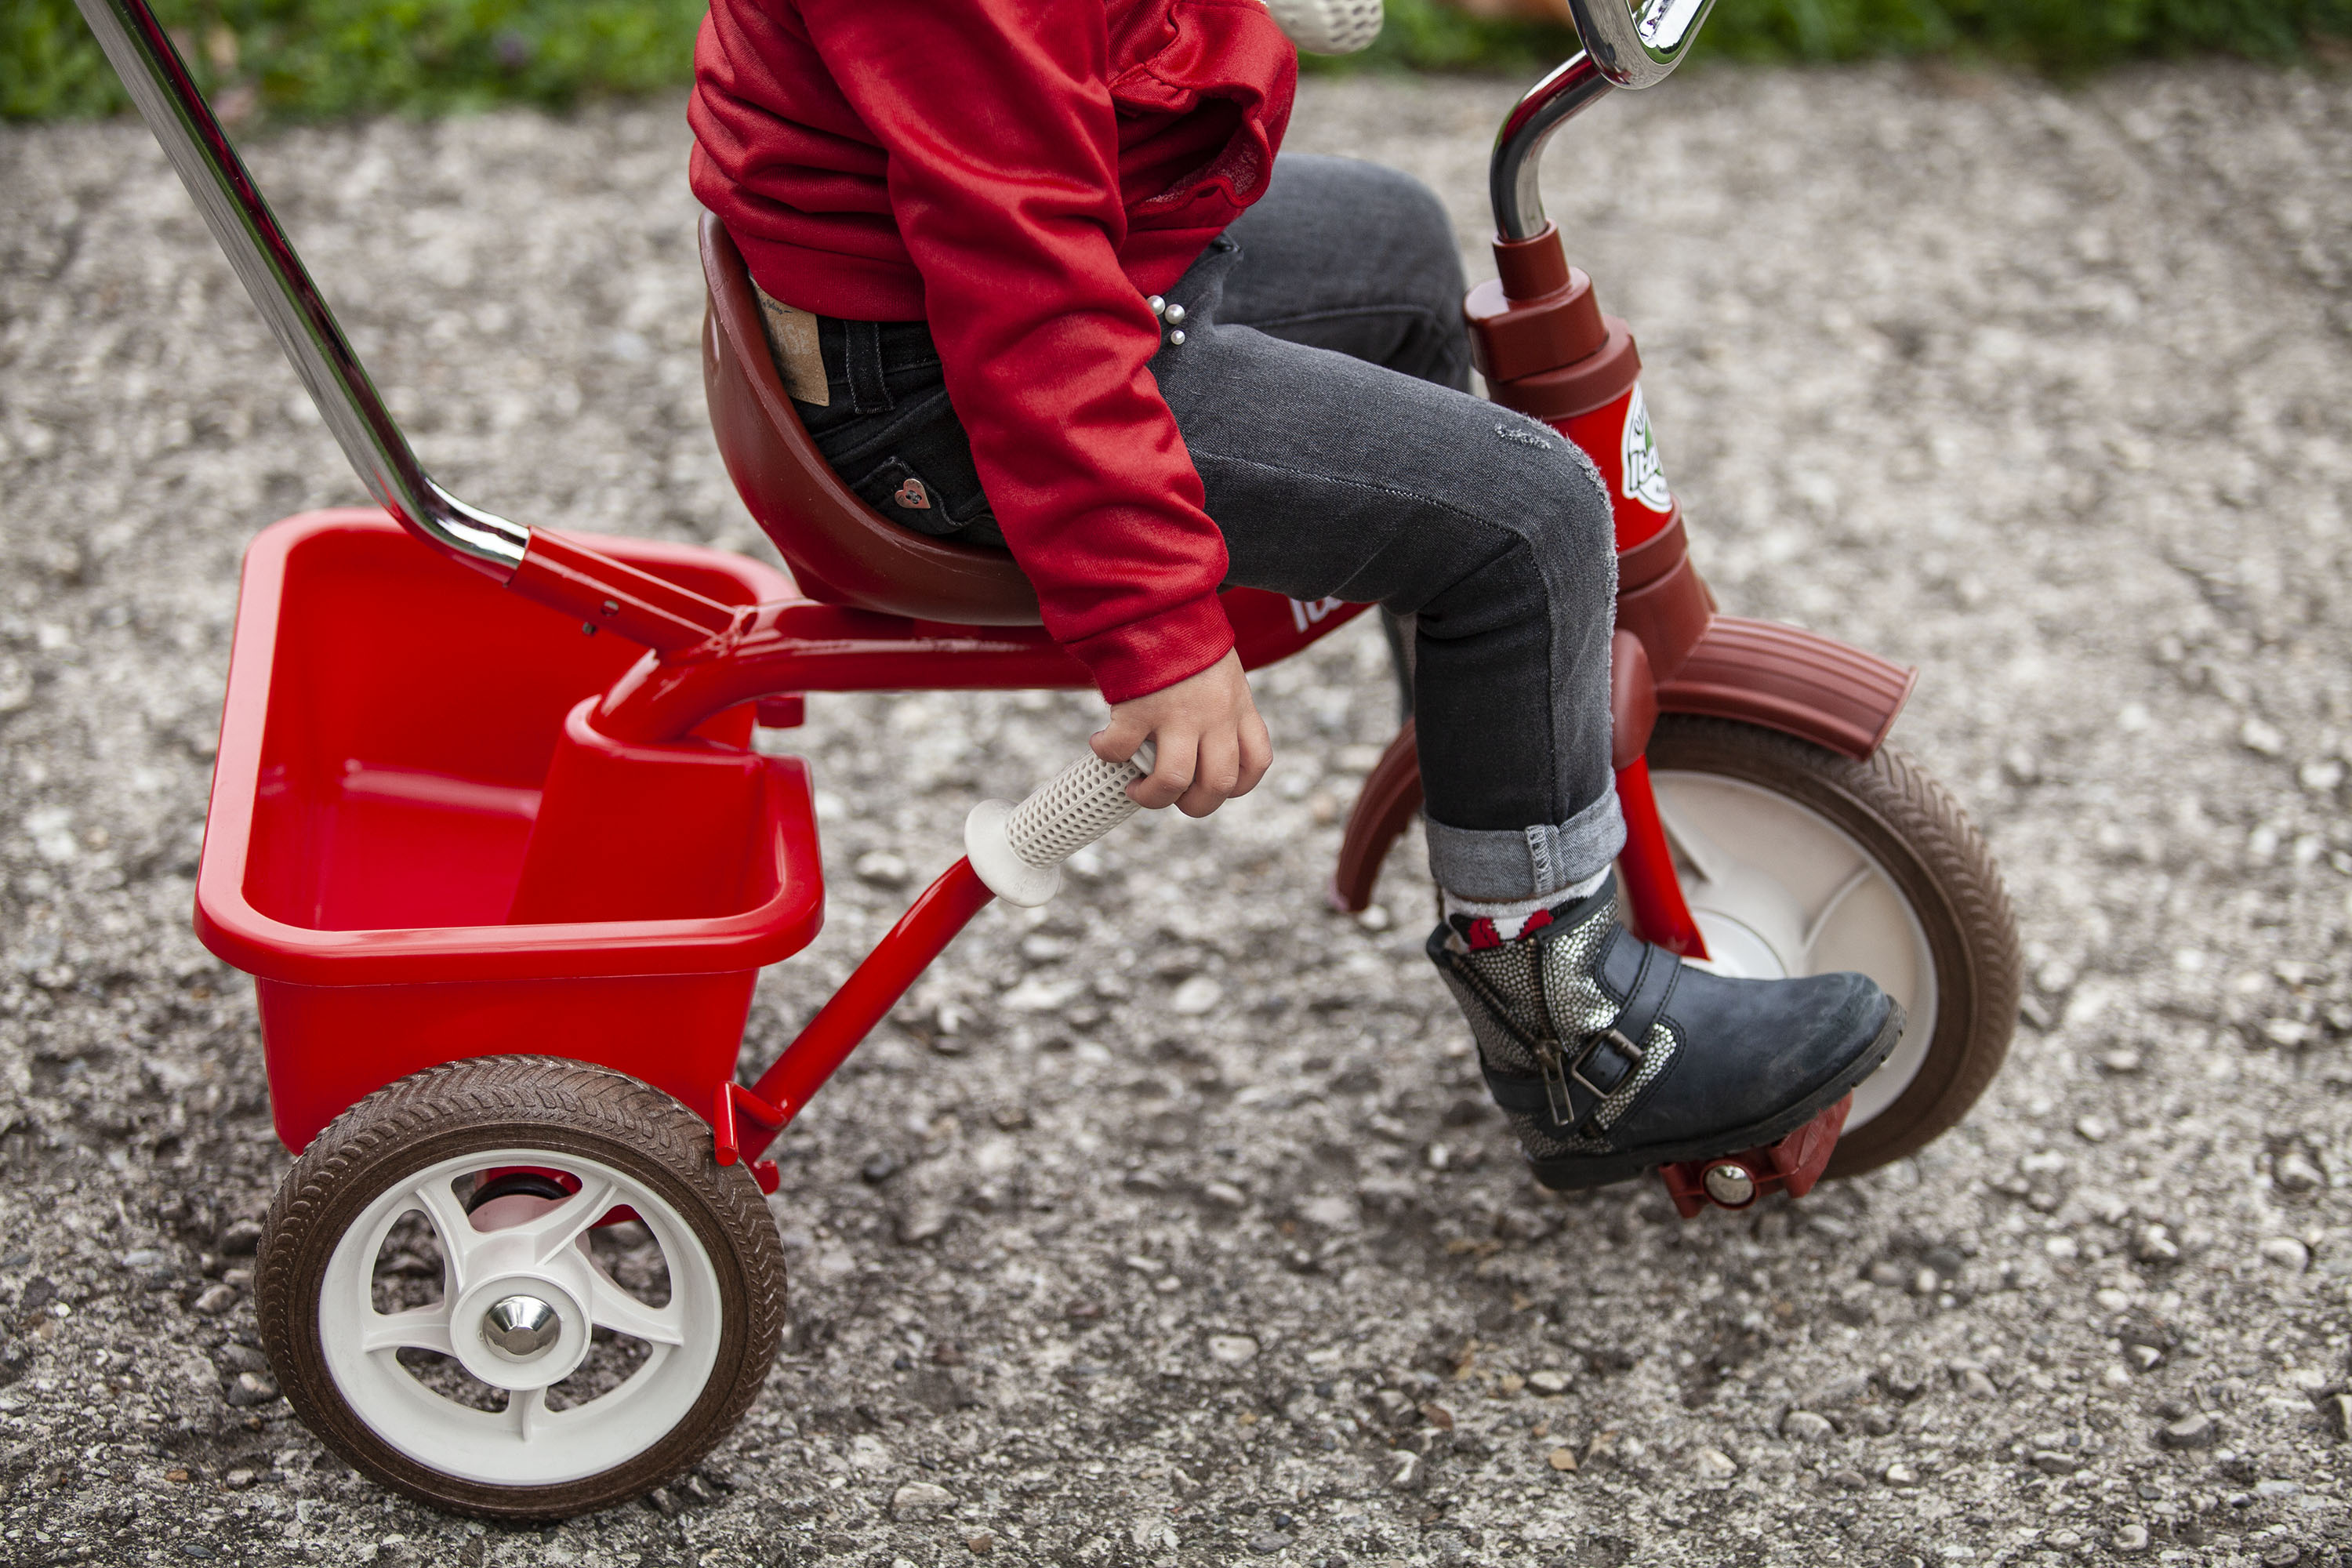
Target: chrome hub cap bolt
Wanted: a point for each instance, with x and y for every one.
(1728, 1185)
(521, 1326)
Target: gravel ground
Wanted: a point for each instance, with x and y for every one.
(1194, 1226)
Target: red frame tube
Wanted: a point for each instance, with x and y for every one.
(921, 934)
(1647, 866)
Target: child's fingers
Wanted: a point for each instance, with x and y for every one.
(1175, 751)
(1117, 741)
(1257, 752)
(1214, 774)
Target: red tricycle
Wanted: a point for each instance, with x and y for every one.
(500, 853)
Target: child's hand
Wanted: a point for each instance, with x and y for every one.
(1212, 744)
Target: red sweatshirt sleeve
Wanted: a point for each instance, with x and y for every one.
(997, 120)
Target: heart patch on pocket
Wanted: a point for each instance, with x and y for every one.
(912, 495)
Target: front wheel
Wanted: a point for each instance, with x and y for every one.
(518, 1286)
(1796, 861)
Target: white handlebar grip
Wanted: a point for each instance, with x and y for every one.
(1328, 26)
(1018, 850)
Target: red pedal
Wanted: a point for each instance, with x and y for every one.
(1735, 1181)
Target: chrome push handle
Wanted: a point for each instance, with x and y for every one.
(1638, 45)
(1626, 44)
(273, 274)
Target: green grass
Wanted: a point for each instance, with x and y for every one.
(311, 58)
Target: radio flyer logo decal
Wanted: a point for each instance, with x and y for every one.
(1645, 477)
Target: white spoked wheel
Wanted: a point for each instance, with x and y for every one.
(1795, 861)
(519, 1286)
(522, 1295)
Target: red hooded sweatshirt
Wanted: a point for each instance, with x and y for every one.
(1021, 175)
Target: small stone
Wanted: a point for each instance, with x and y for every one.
(2296, 1174)
(882, 869)
(252, 1388)
(921, 1499)
(216, 1299)
(2122, 1062)
(2156, 1245)
(1405, 1472)
(2094, 1128)
(242, 1358)
(1847, 1480)
(2288, 1253)
(2147, 1358)
(1976, 1385)
(2285, 1554)
(1904, 1380)
(1924, 1282)
(879, 1166)
(979, 1543)
(1715, 1464)
(2054, 1462)
(2338, 1409)
(2195, 1430)
(238, 1480)
(1196, 996)
(240, 1238)
(1437, 1416)
(922, 1222)
(177, 1478)
(2288, 1033)
(2262, 737)
(1562, 1459)
(1804, 1426)
(1231, 1350)
(1899, 1474)
(1374, 918)
(1549, 1383)
(2276, 1488)
(2112, 1300)
(2131, 1538)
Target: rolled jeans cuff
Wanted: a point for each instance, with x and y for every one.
(1498, 865)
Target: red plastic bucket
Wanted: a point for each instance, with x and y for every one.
(390, 723)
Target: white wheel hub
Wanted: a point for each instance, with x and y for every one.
(520, 1269)
(1778, 891)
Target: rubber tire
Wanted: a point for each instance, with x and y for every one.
(503, 1102)
(1919, 833)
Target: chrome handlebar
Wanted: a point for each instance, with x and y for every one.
(265, 263)
(1623, 47)
(1638, 47)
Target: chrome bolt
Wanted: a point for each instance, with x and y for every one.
(521, 1327)
(1176, 339)
(1730, 1184)
(1175, 314)
(1157, 304)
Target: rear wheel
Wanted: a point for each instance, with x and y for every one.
(519, 1287)
(1796, 861)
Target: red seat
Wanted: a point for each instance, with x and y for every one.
(841, 550)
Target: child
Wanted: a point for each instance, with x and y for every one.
(1035, 279)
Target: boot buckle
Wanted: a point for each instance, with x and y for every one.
(1557, 1072)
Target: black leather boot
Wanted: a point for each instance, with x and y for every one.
(1611, 1054)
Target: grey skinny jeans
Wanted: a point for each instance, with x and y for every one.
(1322, 391)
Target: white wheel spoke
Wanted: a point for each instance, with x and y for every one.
(1707, 857)
(552, 1232)
(526, 1412)
(1820, 922)
(419, 1328)
(454, 1229)
(610, 1307)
